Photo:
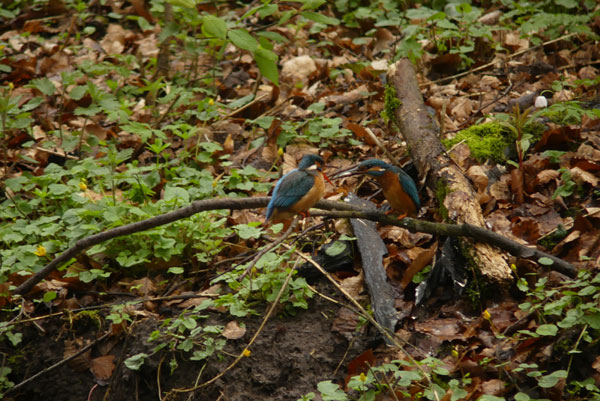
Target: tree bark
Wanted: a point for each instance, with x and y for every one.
(422, 136)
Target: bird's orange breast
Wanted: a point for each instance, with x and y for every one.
(395, 194)
(314, 195)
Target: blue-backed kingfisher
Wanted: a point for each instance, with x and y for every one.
(298, 190)
(398, 187)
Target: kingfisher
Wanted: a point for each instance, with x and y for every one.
(298, 190)
(398, 187)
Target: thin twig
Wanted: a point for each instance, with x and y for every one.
(479, 234)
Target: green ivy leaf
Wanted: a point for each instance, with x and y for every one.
(215, 26)
(247, 231)
(44, 85)
(135, 362)
(551, 379)
(78, 92)
(331, 391)
(311, 4)
(267, 64)
(320, 18)
(547, 330)
(172, 193)
(49, 296)
(593, 320)
(336, 248)
(567, 3)
(267, 10)
(242, 39)
(488, 397)
(184, 3)
(175, 270)
(522, 397)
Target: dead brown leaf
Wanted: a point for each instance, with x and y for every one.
(581, 176)
(353, 285)
(420, 258)
(233, 331)
(143, 287)
(495, 387)
(442, 329)
(103, 367)
(527, 229)
(516, 185)
(80, 362)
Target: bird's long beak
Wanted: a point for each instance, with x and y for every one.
(328, 180)
(348, 172)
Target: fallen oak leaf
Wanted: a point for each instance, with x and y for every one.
(233, 331)
(103, 367)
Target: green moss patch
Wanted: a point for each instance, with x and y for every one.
(489, 141)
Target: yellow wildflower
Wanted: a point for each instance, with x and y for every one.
(246, 352)
(486, 315)
(41, 251)
(82, 185)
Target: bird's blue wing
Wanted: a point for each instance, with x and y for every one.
(289, 190)
(410, 187)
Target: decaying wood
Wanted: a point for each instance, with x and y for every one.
(422, 136)
(372, 249)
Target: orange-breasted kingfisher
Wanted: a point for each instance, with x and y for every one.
(298, 190)
(398, 187)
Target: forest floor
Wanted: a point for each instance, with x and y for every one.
(113, 112)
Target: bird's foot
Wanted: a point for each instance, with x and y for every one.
(386, 208)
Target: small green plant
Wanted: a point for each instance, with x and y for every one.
(185, 334)
(571, 306)
(262, 283)
(567, 185)
(397, 377)
(570, 112)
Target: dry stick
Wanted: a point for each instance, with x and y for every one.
(57, 364)
(485, 66)
(254, 337)
(391, 336)
(84, 243)
(459, 230)
(258, 202)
